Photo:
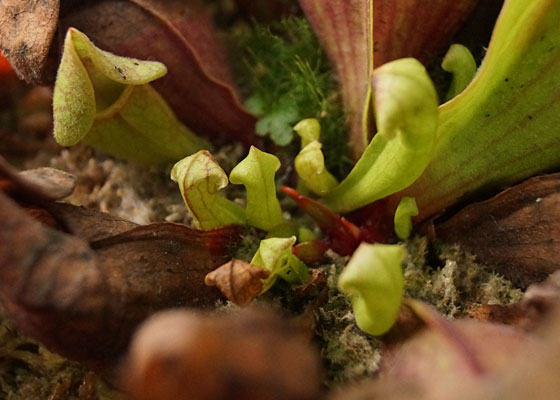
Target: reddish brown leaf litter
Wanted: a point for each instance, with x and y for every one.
(36, 184)
(238, 280)
(83, 289)
(517, 232)
(253, 355)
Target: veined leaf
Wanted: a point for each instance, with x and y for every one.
(275, 255)
(200, 178)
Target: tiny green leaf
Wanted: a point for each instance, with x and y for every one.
(256, 172)
(374, 281)
(310, 166)
(406, 116)
(104, 100)
(200, 178)
(460, 62)
(278, 124)
(309, 130)
(275, 255)
(403, 222)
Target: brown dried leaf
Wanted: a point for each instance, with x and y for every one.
(85, 300)
(250, 355)
(516, 232)
(238, 280)
(87, 224)
(26, 31)
(36, 184)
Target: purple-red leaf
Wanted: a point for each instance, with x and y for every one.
(414, 28)
(344, 28)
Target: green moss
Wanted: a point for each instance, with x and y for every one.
(286, 77)
(460, 282)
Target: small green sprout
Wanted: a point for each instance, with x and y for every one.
(256, 172)
(405, 211)
(275, 255)
(309, 130)
(310, 162)
(310, 166)
(460, 62)
(200, 178)
(406, 116)
(374, 281)
(105, 101)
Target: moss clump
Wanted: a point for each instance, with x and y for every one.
(286, 78)
(458, 283)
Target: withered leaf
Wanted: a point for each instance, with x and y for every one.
(198, 86)
(247, 355)
(36, 184)
(238, 280)
(516, 232)
(87, 224)
(83, 299)
(26, 31)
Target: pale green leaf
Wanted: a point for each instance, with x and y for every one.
(374, 281)
(256, 172)
(105, 100)
(310, 167)
(406, 117)
(73, 98)
(403, 217)
(503, 127)
(275, 255)
(460, 62)
(309, 130)
(200, 178)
